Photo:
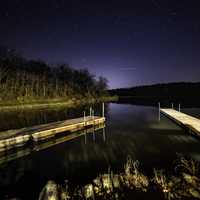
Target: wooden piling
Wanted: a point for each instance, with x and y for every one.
(103, 109)
(84, 118)
(93, 134)
(104, 135)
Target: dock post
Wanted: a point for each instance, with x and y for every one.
(93, 116)
(158, 111)
(85, 137)
(90, 111)
(179, 107)
(104, 134)
(172, 106)
(84, 118)
(93, 133)
(103, 109)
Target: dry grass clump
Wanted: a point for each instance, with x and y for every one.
(189, 166)
(183, 184)
(133, 178)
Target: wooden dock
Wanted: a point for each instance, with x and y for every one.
(15, 138)
(6, 157)
(190, 123)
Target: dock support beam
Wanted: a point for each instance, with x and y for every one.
(90, 111)
(172, 106)
(93, 114)
(85, 137)
(103, 109)
(84, 118)
(93, 117)
(158, 111)
(93, 134)
(179, 107)
(104, 134)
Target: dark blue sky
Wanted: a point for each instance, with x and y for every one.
(129, 42)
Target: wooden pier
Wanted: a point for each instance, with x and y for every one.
(186, 121)
(6, 157)
(15, 138)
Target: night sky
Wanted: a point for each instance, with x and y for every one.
(129, 42)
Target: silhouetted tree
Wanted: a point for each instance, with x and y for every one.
(22, 79)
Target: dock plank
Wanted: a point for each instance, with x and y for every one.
(30, 130)
(187, 121)
(13, 138)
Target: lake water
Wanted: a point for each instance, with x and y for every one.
(130, 130)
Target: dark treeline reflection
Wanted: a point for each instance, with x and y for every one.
(25, 118)
(22, 79)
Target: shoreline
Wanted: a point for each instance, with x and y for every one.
(53, 103)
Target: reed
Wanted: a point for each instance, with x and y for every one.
(131, 182)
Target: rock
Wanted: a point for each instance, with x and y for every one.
(89, 191)
(116, 181)
(49, 192)
(107, 183)
(64, 195)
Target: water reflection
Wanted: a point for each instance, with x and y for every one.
(130, 130)
(27, 118)
(24, 151)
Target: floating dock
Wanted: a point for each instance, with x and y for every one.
(15, 138)
(28, 149)
(186, 121)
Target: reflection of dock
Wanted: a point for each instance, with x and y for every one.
(14, 138)
(186, 121)
(24, 151)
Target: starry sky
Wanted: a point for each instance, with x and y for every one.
(130, 43)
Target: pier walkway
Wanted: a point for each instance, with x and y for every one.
(186, 121)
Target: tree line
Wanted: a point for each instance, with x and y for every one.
(23, 79)
(185, 93)
(177, 89)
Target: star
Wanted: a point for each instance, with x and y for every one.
(83, 60)
(6, 14)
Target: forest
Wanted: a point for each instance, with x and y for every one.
(185, 93)
(25, 80)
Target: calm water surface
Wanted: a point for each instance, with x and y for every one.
(130, 130)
